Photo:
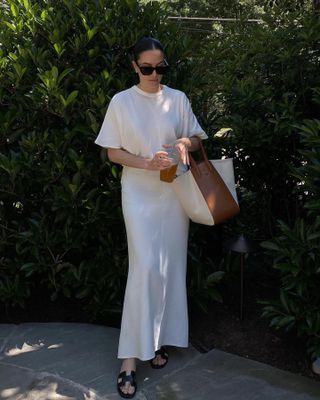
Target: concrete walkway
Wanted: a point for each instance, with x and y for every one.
(75, 361)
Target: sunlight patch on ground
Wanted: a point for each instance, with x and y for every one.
(48, 393)
(55, 346)
(7, 393)
(26, 348)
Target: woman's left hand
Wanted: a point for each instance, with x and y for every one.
(182, 145)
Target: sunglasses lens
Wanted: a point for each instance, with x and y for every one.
(146, 70)
(162, 70)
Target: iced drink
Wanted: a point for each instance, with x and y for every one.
(168, 174)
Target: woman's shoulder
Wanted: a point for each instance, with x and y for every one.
(179, 97)
(121, 96)
(175, 92)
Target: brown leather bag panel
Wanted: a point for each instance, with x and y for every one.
(217, 195)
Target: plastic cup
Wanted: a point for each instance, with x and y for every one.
(168, 174)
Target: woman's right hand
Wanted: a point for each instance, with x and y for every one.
(159, 161)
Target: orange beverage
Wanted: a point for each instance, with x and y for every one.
(168, 174)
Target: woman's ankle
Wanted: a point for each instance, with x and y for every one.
(128, 363)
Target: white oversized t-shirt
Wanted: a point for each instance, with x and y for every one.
(141, 122)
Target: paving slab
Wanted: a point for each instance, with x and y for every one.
(78, 361)
(80, 353)
(223, 376)
(19, 383)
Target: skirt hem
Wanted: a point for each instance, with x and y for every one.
(150, 358)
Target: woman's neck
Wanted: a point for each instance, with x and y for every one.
(149, 88)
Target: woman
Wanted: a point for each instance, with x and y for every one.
(140, 123)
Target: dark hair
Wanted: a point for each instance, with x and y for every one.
(145, 43)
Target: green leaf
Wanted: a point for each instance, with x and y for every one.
(73, 154)
(19, 70)
(215, 277)
(11, 26)
(105, 74)
(58, 48)
(66, 72)
(14, 9)
(132, 4)
(286, 321)
(223, 132)
(72, 96)
(73, 188)
(28, 265)
(284, 302)
(26, 4)
(76, 179)
(63, 100)
(44, 15)
(270, 245)
(83, 293)
(214, 295)
(92, 32)
(114, 171)
(13, 56)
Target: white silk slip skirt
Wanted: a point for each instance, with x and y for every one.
(155, 310)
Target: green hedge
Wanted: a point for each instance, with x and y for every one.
(262, 83)
(296, 251)
(259, 80)
(267, 87)
(60, 214)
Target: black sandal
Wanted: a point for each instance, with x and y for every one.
(162, 352)
(127, 378)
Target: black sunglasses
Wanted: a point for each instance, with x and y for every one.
(160, 70)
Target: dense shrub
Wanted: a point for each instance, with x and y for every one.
(259, 80)
(262, 82)
(236, 9)
(60, 217)
(296, 251)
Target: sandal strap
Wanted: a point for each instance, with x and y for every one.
(127, 378)
(162, 352)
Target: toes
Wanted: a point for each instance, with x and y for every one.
(159, 360)
(127, 388)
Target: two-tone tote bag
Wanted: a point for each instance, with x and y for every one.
(207, 190)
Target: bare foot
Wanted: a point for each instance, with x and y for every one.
(158, 360)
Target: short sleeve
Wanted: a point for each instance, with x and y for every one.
(109, 135)
(190, 125)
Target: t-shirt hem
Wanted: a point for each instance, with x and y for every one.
(201, 135)
(108, 146)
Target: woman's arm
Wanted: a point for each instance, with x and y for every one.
(192, 143)
(184, 145)
(157, 163)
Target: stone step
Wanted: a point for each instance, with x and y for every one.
(218, 375)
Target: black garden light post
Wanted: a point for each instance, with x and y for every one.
(242, 245)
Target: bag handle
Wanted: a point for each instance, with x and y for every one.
(193, 163)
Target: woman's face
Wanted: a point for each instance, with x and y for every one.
(149, 58)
